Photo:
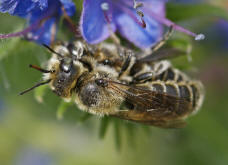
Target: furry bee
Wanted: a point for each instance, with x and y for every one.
(108, 79)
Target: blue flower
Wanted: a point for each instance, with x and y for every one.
(95, 26)
(101, 18)
(42, 17)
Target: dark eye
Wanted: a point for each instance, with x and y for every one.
(101, 82)
(66, 65)
(107, 62)
(65, 68)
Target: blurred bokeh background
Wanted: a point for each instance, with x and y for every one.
(30, 133)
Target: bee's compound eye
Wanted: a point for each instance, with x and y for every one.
(101, 82)
(66, 65)
(65, 68)
(107, 62)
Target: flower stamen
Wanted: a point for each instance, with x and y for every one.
(108, 19)
(127, 9)
(169, 23)
(137, 5)
(105, 8)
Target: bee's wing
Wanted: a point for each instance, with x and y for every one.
(152, 107)
(162, 55)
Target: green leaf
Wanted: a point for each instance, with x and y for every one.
(117, 134)
(103, 127)
(40, 92)
(184, 46)
(62, 109)
(179, 12)
(85, 117)
(146, 129)
(130, 131)
(180, 43)
(6, 46)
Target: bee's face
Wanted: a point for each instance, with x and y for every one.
(63, 78)
(65, 68)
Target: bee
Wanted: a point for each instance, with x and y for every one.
(109, 79)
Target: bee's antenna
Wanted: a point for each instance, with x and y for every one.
(39, 69)
(35, 86)
(51, 50)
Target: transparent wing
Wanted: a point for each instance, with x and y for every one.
(163, 55)
(151, 107)
(146, 99)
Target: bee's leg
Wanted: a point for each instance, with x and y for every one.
(127, 63)
(157, 71)
(122, 110)
(159, 44)
(115, 39)
(143, 77)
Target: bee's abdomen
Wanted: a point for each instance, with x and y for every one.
(171, 74)
(197, 94)
(181, 97)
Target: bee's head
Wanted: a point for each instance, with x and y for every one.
(63, 77)
(62, 73)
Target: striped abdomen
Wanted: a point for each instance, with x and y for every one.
(190, 93)
(163, 71)
(171, 74)
(163, 104)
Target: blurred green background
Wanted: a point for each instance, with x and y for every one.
(30, 133)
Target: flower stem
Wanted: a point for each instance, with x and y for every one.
(71, 24)
(20, 33)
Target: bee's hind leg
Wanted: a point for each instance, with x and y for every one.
(115, 39)
(160, 43)
(129, 60)
(141, 78)
(163, 40)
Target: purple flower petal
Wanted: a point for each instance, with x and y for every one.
(69, 6)
(42, 3)
(141, 37)
(93, 25)
(126, 20)
(155, 6)
(21, 7)
(42, 15)
(46, 33)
